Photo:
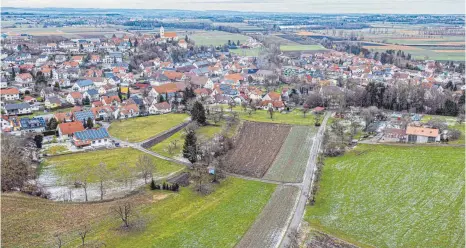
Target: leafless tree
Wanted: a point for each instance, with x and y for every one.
(15, 162)
(124, 211)
(83, 180)
(125, 172)
(58, 240)
(339, 129)
(271, 112)
(199, 175)
(103, 175)
(146, 166)
(83, 232)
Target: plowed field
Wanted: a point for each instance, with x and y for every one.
(256, 148)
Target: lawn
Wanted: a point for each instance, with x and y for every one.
(294, 117)
(291, 161)
(142, 128)
(56, 149)
(291, 48)
(216, 38)
(75, 164)
(393, 196)
(183, 219)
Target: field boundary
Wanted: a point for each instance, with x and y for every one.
(162, 136)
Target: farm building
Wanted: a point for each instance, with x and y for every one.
(422, 134)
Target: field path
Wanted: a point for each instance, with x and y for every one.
(307, 182)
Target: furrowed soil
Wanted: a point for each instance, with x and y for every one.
(256, 148)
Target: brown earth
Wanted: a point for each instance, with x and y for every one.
(255, 148)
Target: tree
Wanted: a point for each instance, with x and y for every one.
(56, 86)
(13, 73)
(89, 123)
(198, 113)
(102, 174)
(160, 98)
(124, 211)
(339, 129)
(305, 110)
(38, 140)
(86, 101)
(125, 172)
(270, 110)
(190, 147)
(83, 178)
(128, 94)
(119, 93)
(82, 232)
(52, 124)
(15, 164)
(146, 166)
(199, 174)
(152, 185)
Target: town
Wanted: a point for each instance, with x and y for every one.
(260, 110)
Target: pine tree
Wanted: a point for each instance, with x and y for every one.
(190, 147)
(89, 123)
(198, 113)
(152, 185)
(128, 94)
(13, 73)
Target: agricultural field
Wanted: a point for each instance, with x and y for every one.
(376, 195)
(70, 165)
(255, 148)
(142, 128)
(67, 32)
(271, 224)
(208, 131)
(216, 38)
(294, 117)
(244, 27)
(423, 52)
(184, 219)
(293, 48)
(291, 161)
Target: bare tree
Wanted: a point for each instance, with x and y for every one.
(15, 164)
(125, 172)
(339, 129)
(270, 112)
(84, 179)
(58, 240)
(103, 175)
(199, 174)
(124, 211)
(145, 166)
(82, 232)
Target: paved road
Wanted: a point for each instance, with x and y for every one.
(306, 185)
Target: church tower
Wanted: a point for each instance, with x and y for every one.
(162, 32)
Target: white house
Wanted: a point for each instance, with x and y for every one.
(10, 94)
(160, 108)
(83, 85)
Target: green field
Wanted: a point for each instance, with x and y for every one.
(422, 53)
(56, 149)
(216, 38)
(452, 123)
(74, 164)
(393, 196)
(292, 48)
(291, 161)
(294, 117)
(246, 52)
(142, 128)
(183, 219)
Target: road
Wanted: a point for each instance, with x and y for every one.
(306, 185)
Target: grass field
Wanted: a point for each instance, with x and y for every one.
(393, 196)
(272, 222)
(68, 32)
(216, 38)
(178, 138)
(294, 117)
(421, 53)
(74, 164)
(246, 52)
(290, 48)
(291, 161)
(142, 128)
(56, 149)
(452, 123)
(183, 219)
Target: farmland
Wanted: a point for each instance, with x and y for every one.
(67, 32)
(292, 48)
(75, 164)
(393, 196)
(290, 163)
(271, 224)
(216, 38)
(183, 219)
(256, 148)
(142, 128)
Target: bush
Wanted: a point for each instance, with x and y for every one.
(454, 134)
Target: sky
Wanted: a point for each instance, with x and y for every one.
(306, 6)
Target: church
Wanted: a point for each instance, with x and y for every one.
(167, 35)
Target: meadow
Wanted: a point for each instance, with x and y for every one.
(393, 196)
(216, 38)
(294, 117)
(184, 219)
(75, 164)
(142, 128)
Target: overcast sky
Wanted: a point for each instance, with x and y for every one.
(310, 6)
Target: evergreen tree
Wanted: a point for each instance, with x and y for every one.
(198, 113)
(190, 147)
(89, 124)
(52, 125)
(119, 93)
(38, 140)
(136, 43)
(86, 101)
(152, 185)
(128, 94)
(13, 73)
(160, 98)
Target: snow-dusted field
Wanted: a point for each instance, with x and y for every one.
(393, 196)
